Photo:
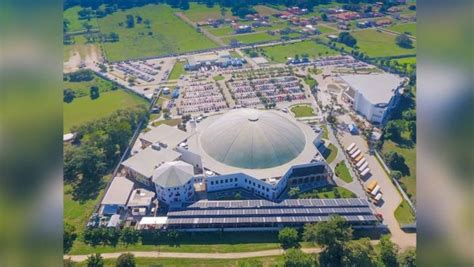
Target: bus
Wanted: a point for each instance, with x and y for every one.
(360, 162)
(372, 185)
(350, 147)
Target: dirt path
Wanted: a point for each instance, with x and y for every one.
(204, 31)
(157, 254)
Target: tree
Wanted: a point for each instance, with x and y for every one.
(347, 39)
(359, 253)
(412, 129)
(388, 252)
(294, 192)
(184, 4)
(409, 115)
(87, 26)
(68, 237)
(95, 260)
(223, 11)
(130, 236)
(139, 19)
(94, 92)
(126, 260)
(66, 24)
(68, 263)
(393, 130)
(297, 258)
(332, 236)
(288, 238)
(130, 21)
(408, 258)
(404, 41)
(102, 67)
(324, 17)
(68, 95)
(147, 22)
(396, 162)
(396, 174)
(114, 37)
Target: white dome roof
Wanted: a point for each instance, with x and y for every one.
(173, 174)
(253, 139)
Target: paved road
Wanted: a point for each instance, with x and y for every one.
(156, 254)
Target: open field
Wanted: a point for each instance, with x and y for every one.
(379, 44)
(265, 10)
(342, 172)
(197, 12)
(402, 28)
(324, 29)
(303, 111)
(280, 53)
(166, 34)
(177, 71)
(221, 31)
(409, 154)
(75, 24)
(252, 38)
(83, 88)
(406, 60)
(177, 262)
(80, 47)
(328, 192)
(84, 109)
(330, 153)
(404, 214)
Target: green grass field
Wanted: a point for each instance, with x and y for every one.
(84, 109)
(221, 31)
(80, 46)
(343, 172)
(303, 111)
(379, 44)
(265, 10)
(169, 34)
(325, 30)
(410, 159)
(75, 23)
(177, 71)
(325, 132)
(252, 38)
(83, 88)
(402, 28)
(197, 12)
(234, 54)
(328, 192)
(179, 262)
(404, 214)
(330, 153)
(280, 53)
(406, 60)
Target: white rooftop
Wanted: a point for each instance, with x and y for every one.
(147, 160)
(166, 134)
(118, 192)
(140, 197)
(153, 220)
(173, 174)
(376, 88)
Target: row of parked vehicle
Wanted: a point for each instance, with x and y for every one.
(362, 166)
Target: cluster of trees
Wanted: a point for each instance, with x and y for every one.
(110, 236)
(339, 249)
(96, 260)
(84, 75)
(98, 147)
(404, 41)
(347, 39)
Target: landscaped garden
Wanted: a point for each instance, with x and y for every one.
(342, 172)
(303, 111)
(330, 153)
(159, 32)
(328, 192)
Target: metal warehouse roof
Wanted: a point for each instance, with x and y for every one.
(376, 88)
(118, 191)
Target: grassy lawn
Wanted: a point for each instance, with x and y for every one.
(218, 77)
(80, 46)
(280, 53)
(409, 28)
(265, 10)
(330, 153)
(221, 31)
(221, 242)
(325, 132)
(404, 214)
(252, 38)
(75, 23)
(84, 109)
(303, 111)
(198, 13)
(175, 262)
(342, 172)
(379, 44)
(83, 88)
(325, 30)
(329, 192)
(234, 54)
(159, 39)
(170, 122)
(310, 82)
(177, 71)
(405, 60)
(409, 154)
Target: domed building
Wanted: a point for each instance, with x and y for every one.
(174, 182)
(262, 151)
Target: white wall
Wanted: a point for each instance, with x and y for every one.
(169, 195)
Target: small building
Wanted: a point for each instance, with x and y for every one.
(352, 129)
(69, 137)
(164, 134)
(333, 37)
(174, 182)
(242, 28)
(140, 201)
(117, 195)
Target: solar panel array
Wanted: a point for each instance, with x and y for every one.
(259, 212)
